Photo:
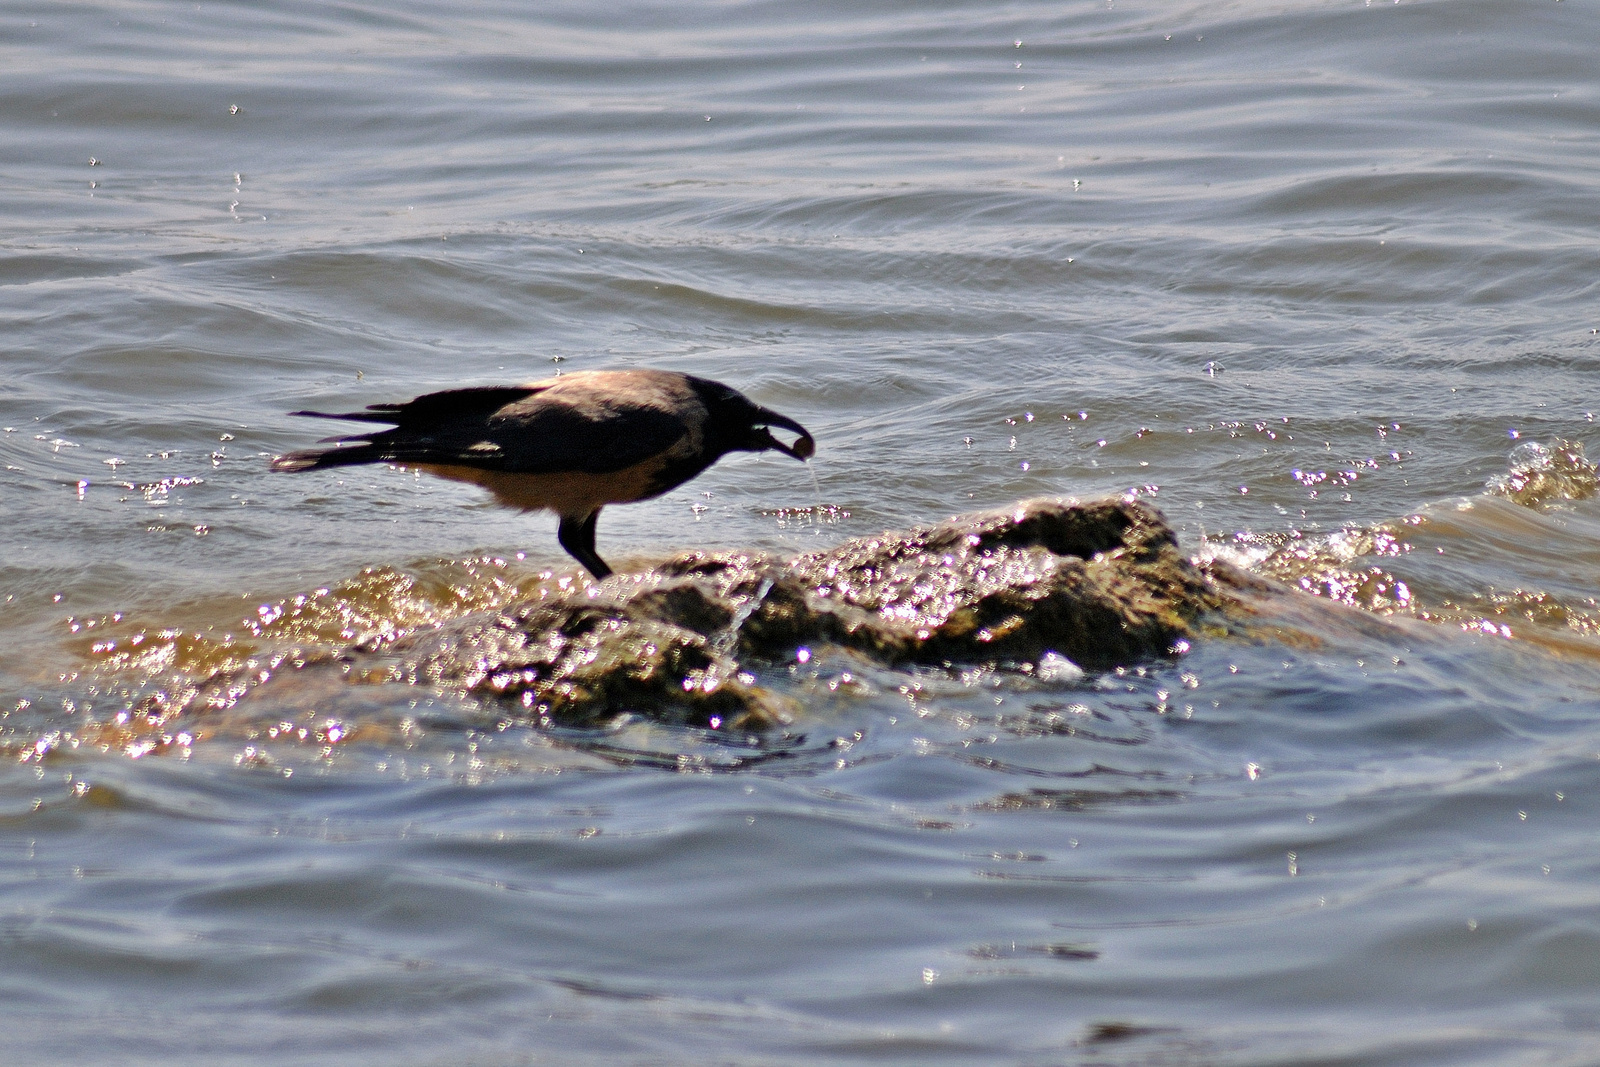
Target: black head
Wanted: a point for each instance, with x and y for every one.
(736, 424)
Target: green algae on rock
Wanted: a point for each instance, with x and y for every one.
(657, 643)
(1100, 583)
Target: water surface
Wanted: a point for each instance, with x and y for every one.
(1303, 273)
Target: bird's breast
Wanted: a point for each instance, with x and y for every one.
(564, 492)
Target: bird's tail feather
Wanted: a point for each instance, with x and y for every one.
(374, 413)
(317, 458)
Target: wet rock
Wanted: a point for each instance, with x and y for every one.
(660, 643)
(1097, 584)
(1100, 583)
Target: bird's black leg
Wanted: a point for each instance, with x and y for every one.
(577, 537)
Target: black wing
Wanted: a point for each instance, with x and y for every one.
(511, 429)
(434, 407)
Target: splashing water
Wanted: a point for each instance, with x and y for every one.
(1538, 474)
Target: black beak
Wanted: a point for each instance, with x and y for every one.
(804, 447)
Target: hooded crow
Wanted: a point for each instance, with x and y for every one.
(570, 444)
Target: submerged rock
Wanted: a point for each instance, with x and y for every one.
(1098, 584)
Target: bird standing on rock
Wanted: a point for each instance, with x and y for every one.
(570, 444)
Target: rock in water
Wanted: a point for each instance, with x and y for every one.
(1098, 584)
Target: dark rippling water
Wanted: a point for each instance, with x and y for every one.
(1304, 274)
